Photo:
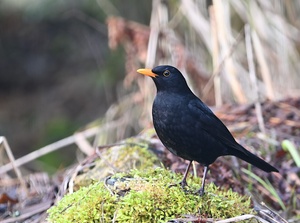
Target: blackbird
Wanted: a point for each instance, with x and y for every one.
(188, 128)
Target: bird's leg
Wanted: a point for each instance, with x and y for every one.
(183, 182)
(201, 190)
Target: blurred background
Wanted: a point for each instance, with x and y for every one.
(70, 65)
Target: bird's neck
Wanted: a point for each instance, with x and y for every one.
(175, 92)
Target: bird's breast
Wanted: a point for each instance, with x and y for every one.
(168, 120)
(166, 112)
(181, 132)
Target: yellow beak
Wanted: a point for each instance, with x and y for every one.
(147, 72)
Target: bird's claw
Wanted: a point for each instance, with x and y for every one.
(182, 183)
(201, 192)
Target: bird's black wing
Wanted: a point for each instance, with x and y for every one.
(215, 129)
(212, 125)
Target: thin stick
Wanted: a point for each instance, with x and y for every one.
(215, 55)
(210, 82)
(197, 21)
(253, 79)
(84, 145)
(223, 37)
(265, 72)
(211, 220)
(45, 150)
(151, 54)
(153, 38)
(35, 209)
(13, 162)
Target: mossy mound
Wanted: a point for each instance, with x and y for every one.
(145, 196)
(132, 153)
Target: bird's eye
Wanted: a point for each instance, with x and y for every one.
(166, 73)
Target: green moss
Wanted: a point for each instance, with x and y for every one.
(145, 196)
(130, 154)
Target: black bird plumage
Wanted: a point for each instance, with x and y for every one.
(188, 128)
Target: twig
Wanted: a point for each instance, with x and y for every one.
(83, 144)
(266, 213)
(199, 23)
(263, 65)
(45, 150)
(211, 220)
(153, 38)
(223, 37)
(253, 79)
(109, 164)
(210, 82)
(241, 218)
(35, 210)
(215, 55)
(13, 162)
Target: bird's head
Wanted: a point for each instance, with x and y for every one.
(167, 78)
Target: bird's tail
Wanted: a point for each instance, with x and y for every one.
(254, 160)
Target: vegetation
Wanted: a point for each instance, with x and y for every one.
(146, 196)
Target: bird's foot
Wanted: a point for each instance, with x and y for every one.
(201, 192)
(182, 183)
